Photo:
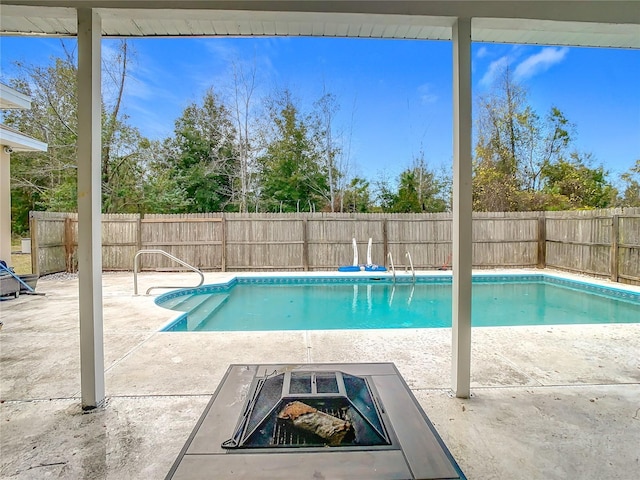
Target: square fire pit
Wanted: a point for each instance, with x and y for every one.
(314, 421)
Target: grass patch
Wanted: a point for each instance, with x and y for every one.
(21, 263)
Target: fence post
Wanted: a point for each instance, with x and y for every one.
(385, 242)
(139, 232)
(223, 226)
(542, 241)
(33, 232)
(615, 223)
(139, 239)
(305, 245)
(68, 245)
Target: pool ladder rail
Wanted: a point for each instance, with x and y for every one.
(168, 255)
(393, 268)
(413, 272)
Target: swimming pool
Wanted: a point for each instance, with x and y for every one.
(326, 303)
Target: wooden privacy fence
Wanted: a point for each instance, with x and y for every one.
(604, 242)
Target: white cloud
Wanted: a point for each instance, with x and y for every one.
(495, 68)
(225, 58)
(482, 52)
(540, 62)
(426, 94)
(220, 49)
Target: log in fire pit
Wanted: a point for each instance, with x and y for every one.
(314, 421)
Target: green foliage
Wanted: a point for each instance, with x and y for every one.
(39, 176)
(201, 157)
(123, 171)
(21, 205)
(419, 190)
(357, 197)
(222, 157)
(493, 189)
(407, 200)
(631, 181)
(503, 121)
(575, 185)
(62, 198)
(385, 195)
(47, 181)
(293, 178)
(521, 160)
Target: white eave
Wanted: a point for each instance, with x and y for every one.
(19, 142)
(11, 99)
(596, 23)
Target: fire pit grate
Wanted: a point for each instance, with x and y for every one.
(346, 402)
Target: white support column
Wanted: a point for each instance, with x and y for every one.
(462, 208)
(89, 218)
(5, 206)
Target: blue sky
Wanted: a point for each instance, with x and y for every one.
(394, 95)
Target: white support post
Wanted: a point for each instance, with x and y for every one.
(89, 211)
(462, 209)
(5, 206)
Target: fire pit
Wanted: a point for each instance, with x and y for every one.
(314, 421)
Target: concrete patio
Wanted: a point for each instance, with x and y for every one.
(548, 402)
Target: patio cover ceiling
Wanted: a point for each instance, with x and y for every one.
(584, 23)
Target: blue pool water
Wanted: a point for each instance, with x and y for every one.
(288, 303)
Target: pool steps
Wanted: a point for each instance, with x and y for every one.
(205, 309)
(185, 303)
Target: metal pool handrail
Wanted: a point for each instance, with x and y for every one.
(408, 255)
(393, 268)
(168, 255)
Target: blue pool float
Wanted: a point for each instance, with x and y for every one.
(349, 268)
(362, 268)
(375, 268)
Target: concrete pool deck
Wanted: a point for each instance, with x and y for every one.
(548, 402)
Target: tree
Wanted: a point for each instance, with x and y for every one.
(357, 198)
(242, 111)
(45, 178)
(631, 180)
(48, 180)
(343, 164)
(160, 190)
(493, 191)
(327, 107)
(430, 188)
(292, 178)
(502, 114)
(544, 143)
(573, 184)
(201, 155)
(513, 148)
(384, 193)
(407, 200)
(420, 190)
